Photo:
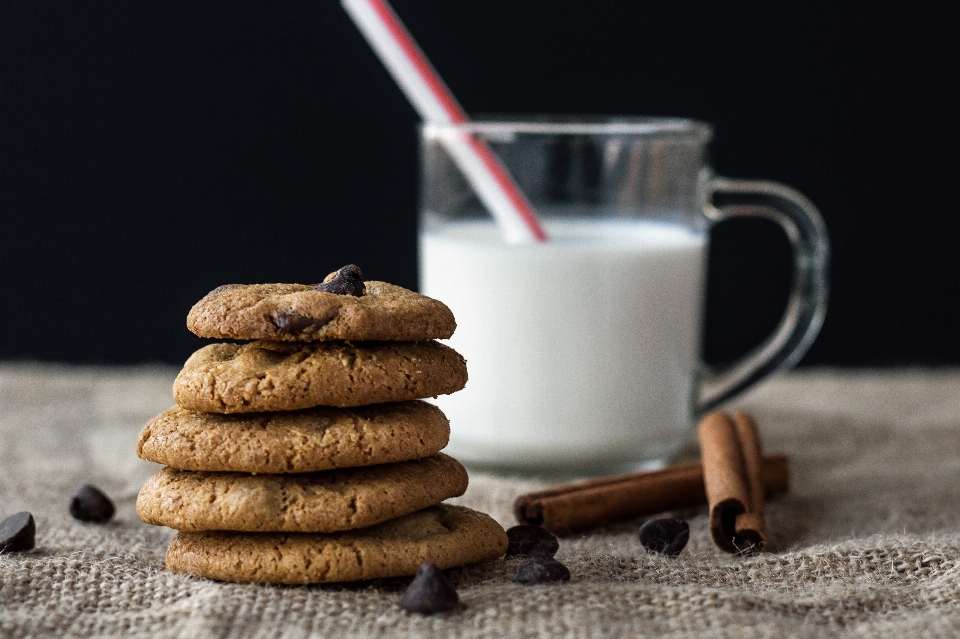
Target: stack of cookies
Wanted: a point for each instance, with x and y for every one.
(305, 456)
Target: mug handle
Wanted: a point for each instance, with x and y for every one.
(726, 198)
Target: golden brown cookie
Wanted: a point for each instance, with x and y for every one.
(298, 312)
(446, 535)
(300, 441)
(313, 502)
(271, 376)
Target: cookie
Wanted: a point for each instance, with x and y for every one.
(296, 441)
(314, 502)
(298, 312)
(446, 535)
(271, 376)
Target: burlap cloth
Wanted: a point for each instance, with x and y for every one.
(867, 544)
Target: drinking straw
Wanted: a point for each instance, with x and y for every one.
(431, 98)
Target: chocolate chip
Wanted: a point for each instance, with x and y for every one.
(17, 532)
(525, 540)
(293, 323)
(665, 536)
(347, 281)
(90, 504)
(541, 568)
(429, 592)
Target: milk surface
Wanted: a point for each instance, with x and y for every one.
(581, 351)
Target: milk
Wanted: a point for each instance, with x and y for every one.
(582, 351)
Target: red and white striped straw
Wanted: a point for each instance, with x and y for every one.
(435, 103)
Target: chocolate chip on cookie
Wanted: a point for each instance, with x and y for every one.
(293, 324)
(348, 280)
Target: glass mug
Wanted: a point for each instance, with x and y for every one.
(583, 352)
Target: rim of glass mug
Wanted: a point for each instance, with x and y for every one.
(509, 124)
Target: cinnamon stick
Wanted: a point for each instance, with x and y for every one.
(731, 457)
(564, 509)
(751, 525)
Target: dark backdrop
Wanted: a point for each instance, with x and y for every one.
(150, 151)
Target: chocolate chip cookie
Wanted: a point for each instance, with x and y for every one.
(294, 441)
(299, 312)
(274, 376)
(445, 535)
(311, 502)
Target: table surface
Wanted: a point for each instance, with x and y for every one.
(865, 545)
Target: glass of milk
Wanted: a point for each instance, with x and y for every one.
(583, 352)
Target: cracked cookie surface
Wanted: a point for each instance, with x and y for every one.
(327, 501)
(275, 376)
(294, 441)
(298, 312)
(446, 535)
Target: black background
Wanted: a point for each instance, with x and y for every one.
(152, 151)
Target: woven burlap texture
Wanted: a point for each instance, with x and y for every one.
(866, 545)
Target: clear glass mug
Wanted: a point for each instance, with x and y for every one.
(584, 352)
